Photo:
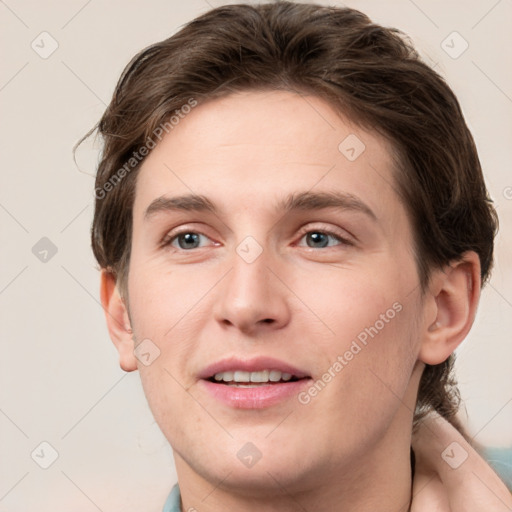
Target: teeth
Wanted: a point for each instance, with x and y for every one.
(263, 376)
(275, 376)
(259, 376)
(242, 377)
(226, 376)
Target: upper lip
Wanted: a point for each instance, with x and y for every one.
(250, 365)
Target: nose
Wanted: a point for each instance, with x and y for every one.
(253, 296)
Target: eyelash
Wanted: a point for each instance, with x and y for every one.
(170, 238)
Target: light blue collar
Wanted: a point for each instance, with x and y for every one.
(172, 503)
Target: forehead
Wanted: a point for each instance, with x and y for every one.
(255, 148)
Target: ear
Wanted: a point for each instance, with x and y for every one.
(118, 321)
(454, 293)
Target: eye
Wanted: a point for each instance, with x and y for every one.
(315, 239)
(185, 240)
(318, 239)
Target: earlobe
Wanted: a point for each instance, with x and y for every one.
(118, 322)
(456, 291)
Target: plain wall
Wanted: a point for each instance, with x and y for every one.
(60, 381)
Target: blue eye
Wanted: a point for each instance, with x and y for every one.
(186, 240)
(320, 239)
(315, 239)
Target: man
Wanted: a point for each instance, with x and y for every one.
(293, 229)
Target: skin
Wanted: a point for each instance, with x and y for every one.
(471, 486)
(298, 302)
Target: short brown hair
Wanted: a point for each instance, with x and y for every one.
(370, 73)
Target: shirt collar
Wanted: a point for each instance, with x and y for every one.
(173, 502)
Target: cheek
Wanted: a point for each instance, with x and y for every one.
(164, 301)
(378, 375)
(371, 349)
(366, 384)
(354, 305)
(166, 308)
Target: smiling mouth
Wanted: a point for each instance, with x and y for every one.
(244, 379)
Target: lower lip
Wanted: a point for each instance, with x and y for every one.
(260, 397)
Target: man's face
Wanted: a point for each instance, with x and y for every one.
(329, 295)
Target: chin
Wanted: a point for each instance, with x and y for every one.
(261, 479)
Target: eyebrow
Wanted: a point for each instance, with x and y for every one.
(306, 201)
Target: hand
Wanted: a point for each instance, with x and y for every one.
(455, 483)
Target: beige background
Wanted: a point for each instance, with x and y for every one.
(59, 377)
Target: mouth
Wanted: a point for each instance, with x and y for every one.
(245, 379)
(254, 384)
